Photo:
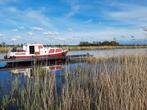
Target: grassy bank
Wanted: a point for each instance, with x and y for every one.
(118, 83)
(100, 47)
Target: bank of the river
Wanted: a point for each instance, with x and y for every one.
(101, 47)
(72, 48)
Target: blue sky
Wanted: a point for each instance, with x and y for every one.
(72, 21)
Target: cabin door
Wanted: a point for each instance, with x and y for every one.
(32, 49)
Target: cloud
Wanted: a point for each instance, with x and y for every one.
(15, 30)
(30, 33)
(74, 8)
(70, 29)
(19, 19)
(37, 17)
(18, 37)
(114, 21)
(105, 34)
(75, 37)
(60, 38)
(1, 35)
(131, 14)
(51, 33)
(13, 39)
(3, 2)
(89, 21)
(21, 27)
(37, 29)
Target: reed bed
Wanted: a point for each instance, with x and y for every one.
(72, 48)
(118, 83)
(4, 49)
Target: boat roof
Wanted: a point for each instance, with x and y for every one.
(33, 44)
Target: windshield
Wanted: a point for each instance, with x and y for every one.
(17, 50)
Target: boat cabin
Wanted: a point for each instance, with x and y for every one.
(33, 48)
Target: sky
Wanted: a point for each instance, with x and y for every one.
(72, 21)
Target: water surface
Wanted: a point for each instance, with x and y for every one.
(110, 52)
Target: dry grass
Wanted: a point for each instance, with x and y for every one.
(110, 84)
(4, 49)
(101, 47)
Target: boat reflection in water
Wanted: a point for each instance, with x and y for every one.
(57, 70)
(25, 72)
(29, 71)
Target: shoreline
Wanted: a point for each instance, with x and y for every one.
(76, 48)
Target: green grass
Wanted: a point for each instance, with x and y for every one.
(118, 83)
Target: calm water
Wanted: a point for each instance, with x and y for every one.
(111, 52)
(7, 76)
(104, 53)
(2, 55)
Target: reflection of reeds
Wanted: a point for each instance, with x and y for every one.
(110, 84)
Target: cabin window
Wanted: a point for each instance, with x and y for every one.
(40, 46)
(51, 51)
(58, 50)
(17, 50)
(32, 49)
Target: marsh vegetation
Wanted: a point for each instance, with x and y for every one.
(4, 49)
(118, 83)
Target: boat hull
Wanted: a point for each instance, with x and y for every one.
(40, 56)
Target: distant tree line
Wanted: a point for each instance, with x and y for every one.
(2, 44)
(104, 43)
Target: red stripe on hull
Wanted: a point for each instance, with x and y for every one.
(43, 56)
